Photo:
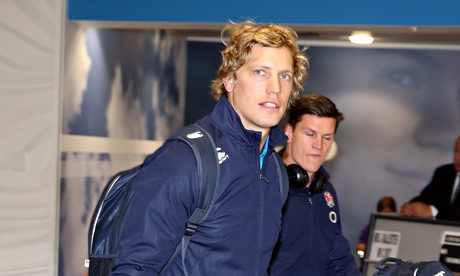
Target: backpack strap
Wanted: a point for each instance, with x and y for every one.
(205, 152)
(283, 177)
(380, 265)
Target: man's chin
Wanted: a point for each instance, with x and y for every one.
(312, 169)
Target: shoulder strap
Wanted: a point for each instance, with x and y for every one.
(380, 265)
(284, 179)
(205, 152)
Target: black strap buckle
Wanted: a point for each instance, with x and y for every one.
(191, 228)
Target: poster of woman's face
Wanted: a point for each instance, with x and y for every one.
(402, 116)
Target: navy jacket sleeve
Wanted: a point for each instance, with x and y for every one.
(162, 203)
(343, 262)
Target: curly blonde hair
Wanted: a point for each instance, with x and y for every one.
(239, 39)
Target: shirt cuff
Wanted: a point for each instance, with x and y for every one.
(434, 211)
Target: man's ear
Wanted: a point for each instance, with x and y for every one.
(288, 129)
(229, 84)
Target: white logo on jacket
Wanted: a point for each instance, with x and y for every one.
(221, 155)
(194, 135)
(333, 216)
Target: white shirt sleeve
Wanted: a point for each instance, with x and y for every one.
(434, 211)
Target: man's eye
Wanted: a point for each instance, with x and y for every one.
(285, 76)
(259, 72)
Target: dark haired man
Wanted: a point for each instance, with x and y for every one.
(311, 240)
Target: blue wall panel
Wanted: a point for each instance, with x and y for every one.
(306, 12)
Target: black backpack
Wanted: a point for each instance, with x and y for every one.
(112, 209)
(396, 267)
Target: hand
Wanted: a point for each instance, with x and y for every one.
(361, 249)
(361, 246)
(416, 209)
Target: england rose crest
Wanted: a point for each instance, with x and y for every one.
(329, 199)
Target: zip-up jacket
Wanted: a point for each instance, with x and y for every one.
(311, 240)
(240, 232)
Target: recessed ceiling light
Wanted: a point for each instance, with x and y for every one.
(361, 37)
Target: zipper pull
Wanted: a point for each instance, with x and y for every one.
(311, 201)
(264, 179)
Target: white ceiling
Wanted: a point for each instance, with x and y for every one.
(383, 35)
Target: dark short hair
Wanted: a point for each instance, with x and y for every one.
(313, 104)
(386, 201)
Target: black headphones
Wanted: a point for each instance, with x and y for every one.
(298, 178)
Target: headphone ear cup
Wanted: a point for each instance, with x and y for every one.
(298, 177)
(319, 183)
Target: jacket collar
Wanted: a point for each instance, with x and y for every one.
(229, 122)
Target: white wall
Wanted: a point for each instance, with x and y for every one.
(30, 85)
